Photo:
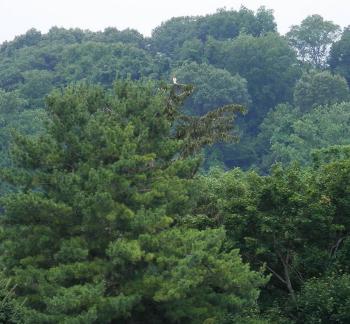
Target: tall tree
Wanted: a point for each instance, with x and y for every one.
(171, 35)
(312, 39)
(93, 234)
(267, 63)
(339, 59)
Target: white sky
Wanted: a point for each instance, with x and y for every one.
(17, 16)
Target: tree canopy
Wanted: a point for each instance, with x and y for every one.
(199, 175)
(313, 38)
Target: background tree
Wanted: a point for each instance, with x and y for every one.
(228, 24)
(171, 35)
(312, 39)
(267, 63)
(339, 58)
(276, 134)
(293, 136)
(320, 89)
(270, 67)
(212, 87)
(191, 50)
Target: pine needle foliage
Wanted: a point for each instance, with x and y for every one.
(93, 234)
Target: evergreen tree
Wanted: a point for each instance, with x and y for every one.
(93, 235)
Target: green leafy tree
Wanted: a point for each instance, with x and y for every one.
(325, 300)
(93, 234)
(265, 22)
(213, 87)
(267, 63)
(296, 222)
(275, 135)
(339, 58)
(63, 36)
(31, 38)
(191, 50)
(292, 136)
(221, 25)
(275, 220)
(126, 36)
(334, 180)
(320, 89)
(62, 56)
(270, 67)
(103, 63)
(228, 24)
(312, 39)
(171, 35)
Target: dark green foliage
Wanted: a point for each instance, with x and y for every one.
(192, 50)
(212, 88)
(228, 24)
(275, 135)
(339, 58)
(10, 311)
(171, 35)
(104, 218)
(33, 64)
(91, 237)
(126, 36)
(295, 222)
(274, 220)
(320, 89)
(270, 68)
(208, 129)
(267, 63)
(31, 38)
(102, 63)
(64, 56)
(330, 154)
(325, 300)
(14, 116)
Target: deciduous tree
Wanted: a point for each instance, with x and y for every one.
(312, 39)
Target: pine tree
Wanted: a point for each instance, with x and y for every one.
(93, 234)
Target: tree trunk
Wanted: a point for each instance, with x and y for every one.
(288, 282)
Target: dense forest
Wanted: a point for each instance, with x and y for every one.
(200, 175)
